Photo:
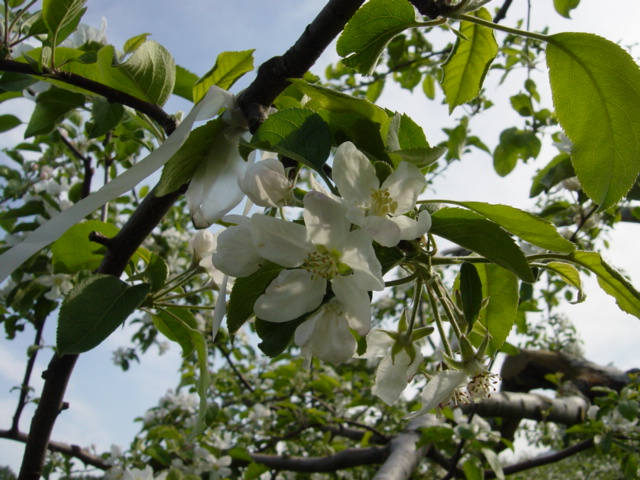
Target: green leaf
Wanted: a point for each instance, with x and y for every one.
(152, 69)
(471, 292)
(73, 252)
(514, 145)
(184, 163)
(229, 67)
(406, 141)
(466, 67)
(244, 294)
(206, 413)
(156, 273)
(7, 122)
(105, 115)
(62, 17)
(568, 273)
(499, 314)
(185, 80)
(51, 108)
(556, 171)
(476, 233)
(333, 101)
(134, 43)
(176, 324)
(371, 29)
(365, 134)
(610, 280)
(525, 225)
(93, 310)
(298, 133)
(276, 337)
(564, 7)
(596, 92)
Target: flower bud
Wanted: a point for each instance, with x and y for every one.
(266, 183)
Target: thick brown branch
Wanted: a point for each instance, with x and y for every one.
(273, 74)
(167, 122)
(349, 458)
(502, 13)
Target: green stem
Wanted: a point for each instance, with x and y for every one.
(502, 28)
(438, 321)
(445, 302)
(401, 281)
(417, 296)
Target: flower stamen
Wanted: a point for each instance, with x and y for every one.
(382, 204)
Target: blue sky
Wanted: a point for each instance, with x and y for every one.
(104, 401)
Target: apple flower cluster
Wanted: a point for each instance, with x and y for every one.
(329, 266)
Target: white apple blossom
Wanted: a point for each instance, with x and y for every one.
(473, 383)
(59, 285)
(324, 250)
(266, 183)
(380, 209)
(394, 371)
(326, 334)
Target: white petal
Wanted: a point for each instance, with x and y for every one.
(383, 230)
(279, 241)
(378, 342)
(404, 185)
(411, 229)
(325, 220)
(393, 375)
(214, 189)
(202, 243)
(290, 294)
(355, 301)
(439, 390)
(358, 254)
(326, 335)
(235, 254)
(354, 175)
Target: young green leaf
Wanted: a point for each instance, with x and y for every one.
(74, 252)
(596, 92)
(515, 144)
(371, 29)
(525, 225)
(564, 7)
(298, 133)
(93, 310)
(476, 233)
(185, 80)
(206, 412)
(229, 67)
(62, 17)
(553, 173)
(568, 273)
(469, 62)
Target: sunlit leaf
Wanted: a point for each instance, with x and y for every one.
(474, 232)
(74, 252)
(596, 92)
(229, 67)
(564, 7)
(469, 62)
(371, 29)
(525, 225)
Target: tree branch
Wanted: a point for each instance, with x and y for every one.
(404, 457)
(272, 76)
(166, 121)
(348, 458)
(71, 450)
(502, 13)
